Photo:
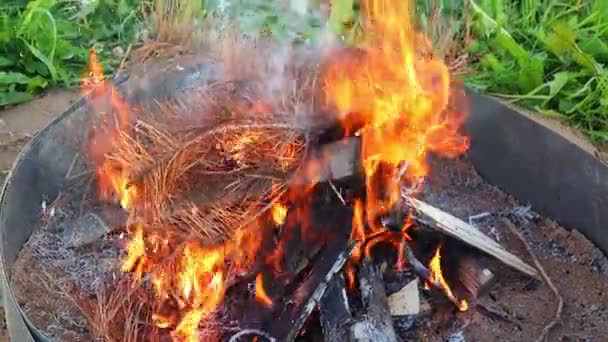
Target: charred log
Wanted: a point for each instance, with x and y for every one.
(335, 311)
(376, 324)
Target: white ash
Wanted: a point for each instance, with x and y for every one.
(520, 215)
(457, 337)
(88, 271)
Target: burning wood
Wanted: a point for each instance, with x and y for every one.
(376, 324)
(239, 212)
(335, 311)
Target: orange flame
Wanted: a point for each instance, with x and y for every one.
(136, 252)
(112, 177)
(260, 293)
(396, 96)
(392, 93)
(437, 275)
(399, 94)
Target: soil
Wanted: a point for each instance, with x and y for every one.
(577, 268)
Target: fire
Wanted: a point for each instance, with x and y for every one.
(136, 251)
(395, 95)
(392, 93)
(400, 94)
(437, 276)
(260, 293)
(279, 213)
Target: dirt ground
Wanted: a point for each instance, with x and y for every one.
(17, 125)
(519, 307)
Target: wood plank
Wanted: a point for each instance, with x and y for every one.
(469, 234)
(376, 324)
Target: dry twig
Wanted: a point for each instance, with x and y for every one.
(123, 62)
(560, 301)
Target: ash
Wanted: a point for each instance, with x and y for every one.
(87, 270)
(63, 281)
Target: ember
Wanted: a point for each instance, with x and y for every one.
(243, 209)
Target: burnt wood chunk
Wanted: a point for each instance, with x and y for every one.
(376, 324)
(335, 311)
(405, 301)
(327, 231)
(331, 162)
(476, 278)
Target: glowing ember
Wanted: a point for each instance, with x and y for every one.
(435, 268)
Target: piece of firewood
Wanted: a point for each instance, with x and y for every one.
(340, 160)
(406, 301)
(329, 162)
(476, 278)
(335, 311)
(461, 230)
(317, 294)
(376, 325)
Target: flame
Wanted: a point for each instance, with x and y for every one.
(112, 177)
(392, 93)
(437, 277)
(397, 97)
(260, 293)
(136, 251)
(400, 94)
(279, 213)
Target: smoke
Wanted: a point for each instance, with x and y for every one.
(283, 65)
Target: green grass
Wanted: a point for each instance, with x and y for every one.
(45, 43)
(546, 55)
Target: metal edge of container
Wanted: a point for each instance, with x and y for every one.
(520, 155)
(158, 86)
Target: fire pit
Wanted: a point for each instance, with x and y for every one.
(343, 240)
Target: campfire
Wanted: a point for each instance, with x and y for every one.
(273, 203)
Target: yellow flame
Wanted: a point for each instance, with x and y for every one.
(435, 268)
(279, 213)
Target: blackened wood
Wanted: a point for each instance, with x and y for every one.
(376, 324)
(327, 272)
(335, 311)
(329, 226)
